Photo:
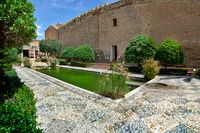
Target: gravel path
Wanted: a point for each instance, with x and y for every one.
(172, 106)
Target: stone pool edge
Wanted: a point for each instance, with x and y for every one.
(136, 93)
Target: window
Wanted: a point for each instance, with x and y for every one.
(115, 22)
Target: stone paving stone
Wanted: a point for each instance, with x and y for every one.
(194, 106)
(197, 100)
(196, 89)
(179, 100)
(160, 122)
(136, 126)
(180, 111)
(192, 97)
(165, 106)
(62, 109)
(61, 126)
(181, 129)
(95, 115)
(192, 121)
(145, 110)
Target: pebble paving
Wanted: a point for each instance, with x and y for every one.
(154, 109)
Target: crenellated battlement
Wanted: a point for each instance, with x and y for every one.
(98, 10)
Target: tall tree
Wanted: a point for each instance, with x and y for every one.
(16, 24)
(52, 47)
(16, 29)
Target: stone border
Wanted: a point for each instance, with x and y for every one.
(86, 69)
(136, 93)
(83, 92)
(98, 70)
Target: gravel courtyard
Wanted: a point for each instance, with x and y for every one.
(166, 105)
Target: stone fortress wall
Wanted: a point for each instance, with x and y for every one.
(160, 19)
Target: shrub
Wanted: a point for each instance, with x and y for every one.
(11, 55)
(18, 114)
(27, 62)
(68, 53)
(170, 52)
(84, 53)
(139, 49)
(10, 85)
(53, 62)
(114, 85)
(150, 69)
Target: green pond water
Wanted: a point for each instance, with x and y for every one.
(83, 79)
(80, 78)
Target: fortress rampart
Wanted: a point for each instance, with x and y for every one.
(109, 27)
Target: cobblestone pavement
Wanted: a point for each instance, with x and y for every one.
(165, 105)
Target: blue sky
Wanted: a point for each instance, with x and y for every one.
(50, 12)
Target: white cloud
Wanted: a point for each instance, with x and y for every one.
(38, 31)
(66, 4)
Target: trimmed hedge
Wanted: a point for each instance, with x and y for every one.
(68, 53)
(18, 114)
(17, 106)
(139, 49)
(170, 52)
(84, 53)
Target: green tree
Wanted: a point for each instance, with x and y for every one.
(53, 47)
(170, 52)
(139, 49)
(43, 46)
(84, 53)
(68, 53)
(16, 27)
(16, 23)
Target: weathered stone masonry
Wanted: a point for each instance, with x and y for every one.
(160, 19)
